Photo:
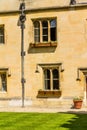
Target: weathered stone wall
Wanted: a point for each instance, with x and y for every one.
(71, 50)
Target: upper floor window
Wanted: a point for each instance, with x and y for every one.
(45, 30)
(1, 34)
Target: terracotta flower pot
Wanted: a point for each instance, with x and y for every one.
(77, 104)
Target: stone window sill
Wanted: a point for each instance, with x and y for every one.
(37, 45)
(49, 94)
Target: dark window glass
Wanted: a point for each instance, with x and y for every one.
(55, 79)
(47, 79)
(45, 30)
(1, 34)
(3, 82)
(53, 30)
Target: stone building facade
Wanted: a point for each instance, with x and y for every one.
(55, 42)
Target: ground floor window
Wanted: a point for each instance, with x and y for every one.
(51, 78)
(3, 81)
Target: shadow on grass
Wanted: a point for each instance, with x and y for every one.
(43, 121)
(78, 122)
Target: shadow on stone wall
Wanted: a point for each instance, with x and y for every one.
(41, 50)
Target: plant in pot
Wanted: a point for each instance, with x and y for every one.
(78, 102)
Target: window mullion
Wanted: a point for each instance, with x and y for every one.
(43, 80)
(48, 31)
(51, 80)
(40, 31)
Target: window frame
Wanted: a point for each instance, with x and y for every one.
(42, 42)
(51, 78)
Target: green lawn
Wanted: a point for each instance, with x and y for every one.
(42, 121)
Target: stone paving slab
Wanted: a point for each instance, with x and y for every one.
(42, 110)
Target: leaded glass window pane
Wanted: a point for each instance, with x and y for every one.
(3, 81)
(36, 31)
(53, 30)
(55, 79)
(47, 79)
(45, 30)
(1, 34)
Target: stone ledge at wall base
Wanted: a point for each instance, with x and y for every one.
(18, 102)
(61, 102)
(53, 102)
(15, 102)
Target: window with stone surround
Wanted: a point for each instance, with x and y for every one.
(45, 31)
(1, 34)
(51, 80)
